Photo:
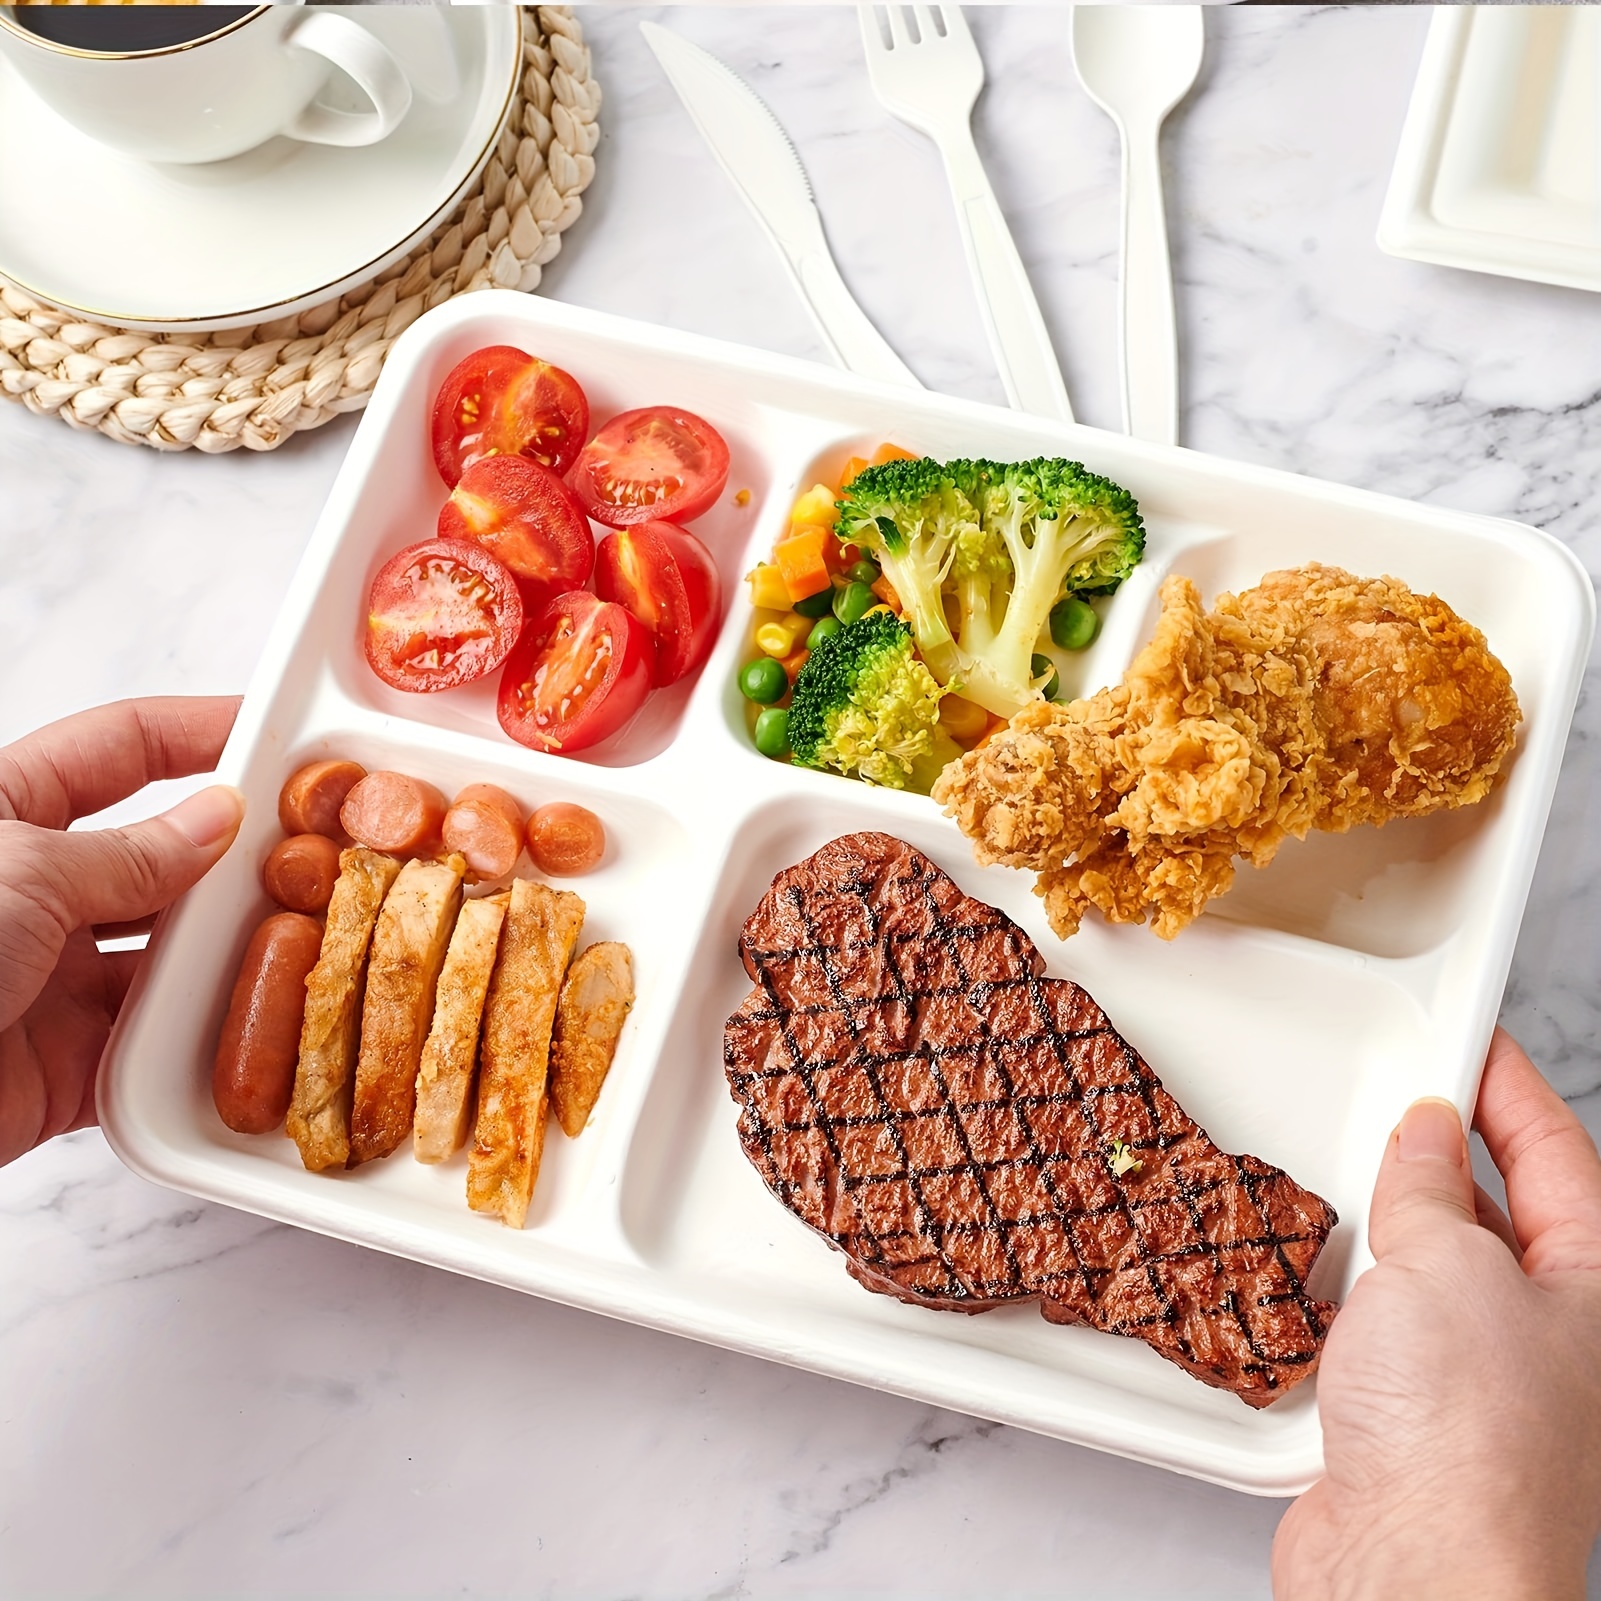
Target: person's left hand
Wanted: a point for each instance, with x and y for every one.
(59, 994)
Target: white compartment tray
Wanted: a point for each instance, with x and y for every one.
(1295, 1020)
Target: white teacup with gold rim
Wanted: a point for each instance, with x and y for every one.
(201, 83)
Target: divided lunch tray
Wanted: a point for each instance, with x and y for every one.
(1295, 1020)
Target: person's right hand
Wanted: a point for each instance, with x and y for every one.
(1460, 1389)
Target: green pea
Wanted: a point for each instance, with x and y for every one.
(1044, 664)
(853, 601)
(864, 572)
(823, 628)
(772, 732)
(1074, 623)
(763, 680)
(818, 605)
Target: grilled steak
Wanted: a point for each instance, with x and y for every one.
(972, 1134)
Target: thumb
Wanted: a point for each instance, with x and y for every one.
(114, 875)
(1425, 1182)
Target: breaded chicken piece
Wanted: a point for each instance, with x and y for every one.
(1416, 713)
(1315, 700)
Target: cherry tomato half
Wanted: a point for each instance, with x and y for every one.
(578, 674)
(667, 579)
(526, 517)
(440, 614)
(500, 401)
(658, 462)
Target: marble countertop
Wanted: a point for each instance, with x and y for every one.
(196, 1400)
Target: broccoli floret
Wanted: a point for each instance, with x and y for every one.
(1058, 527)
(1008, 540)
(863, 704)
(910, 516)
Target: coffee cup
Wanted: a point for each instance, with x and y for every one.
(202, 83)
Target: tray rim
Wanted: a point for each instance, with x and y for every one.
(588, 1286)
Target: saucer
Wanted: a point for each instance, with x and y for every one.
(281, 228)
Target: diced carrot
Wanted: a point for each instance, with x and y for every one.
(800, 559)
(888, 452)
(855, 465)
(794, 662)
(885, 591)
(840, 556)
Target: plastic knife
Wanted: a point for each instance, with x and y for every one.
(755, 152)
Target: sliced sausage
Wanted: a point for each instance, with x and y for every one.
(299, 873)
(254, 1072)
(309, 803)
(485, 825)
(394, 812)
(565, 840)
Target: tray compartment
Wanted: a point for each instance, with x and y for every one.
(649, 862)
(397, 500)
(1273, 1044)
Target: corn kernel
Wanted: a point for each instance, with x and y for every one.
(779, 638)
(815, 506)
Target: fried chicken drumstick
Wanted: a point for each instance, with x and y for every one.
(1316, 700)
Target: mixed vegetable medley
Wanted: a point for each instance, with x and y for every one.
(902, 617)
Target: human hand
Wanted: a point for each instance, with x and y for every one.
(1460, 1389)
(59, 995)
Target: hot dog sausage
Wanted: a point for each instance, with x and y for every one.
(309, 803)
(485, 825)
(254, 1072)
(564, 839)
(299, 873)
(393, 812)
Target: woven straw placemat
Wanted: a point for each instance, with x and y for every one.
(256, 386)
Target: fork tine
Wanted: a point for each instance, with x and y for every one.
(900, 37)
(928, 29)
(873, 28)
(955, 24)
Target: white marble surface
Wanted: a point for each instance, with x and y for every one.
(192, 1400)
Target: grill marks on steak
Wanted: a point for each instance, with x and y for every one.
(912, 1088)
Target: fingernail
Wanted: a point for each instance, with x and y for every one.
(1431, 1127)
(208, 816)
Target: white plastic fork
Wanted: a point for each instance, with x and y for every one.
(930, 80)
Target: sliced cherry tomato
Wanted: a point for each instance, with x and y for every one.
(658, 462)
(440, 614)
(578, 674)
(667, 579)
(500, 401)
(526, 517)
